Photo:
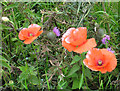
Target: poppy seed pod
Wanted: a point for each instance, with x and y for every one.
(101, 32)
(51, 35)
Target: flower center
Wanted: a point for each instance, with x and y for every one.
(76, 46)
(31, 34)
(100, 62)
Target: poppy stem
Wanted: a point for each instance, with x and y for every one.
(36, 59)
(99, 77)
(106, 45)
(82, 58)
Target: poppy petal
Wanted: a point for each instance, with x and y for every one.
(103, 70)
(40, 32)
(79, 36)
(23, 34)
(112, 65)
(89, 44)
(85, 61)
(21, 37)
(94, 55)
(68, 33)
(34, 28)
(30, 40)
(68, 46)
(80, 32)
(110, 57)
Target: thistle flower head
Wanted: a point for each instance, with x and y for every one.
(56, 31)
(104, 40)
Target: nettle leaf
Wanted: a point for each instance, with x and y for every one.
(34, 80)
(23, 68)
(75, 68)
(3, 62)
(26, 72)
(75, 59)
(32, 71)
(88, 73)
(73, 75)
(23, 76)
(75, 83)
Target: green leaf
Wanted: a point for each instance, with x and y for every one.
(73, 75)
(75, 83)
(34, 80)
(75, 59)
(26, 72)
(23, 68)
(14, 39)
(3, 62)
(81, 81)
(23, 76)
(75, 68)
(88, 73)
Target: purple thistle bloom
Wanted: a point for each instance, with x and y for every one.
(56, 31)
(104, 40)
(109, 49)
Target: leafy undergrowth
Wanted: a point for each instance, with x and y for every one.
(45, 63)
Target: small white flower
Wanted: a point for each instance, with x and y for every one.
(5, 19)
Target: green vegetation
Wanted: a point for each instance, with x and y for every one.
(45, 64)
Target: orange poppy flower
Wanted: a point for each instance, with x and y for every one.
(76, 40)
(100, 60)
(30, 34)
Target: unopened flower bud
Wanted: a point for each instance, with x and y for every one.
(5, 19)
(51, 35)
(101, 31)
(11, 82)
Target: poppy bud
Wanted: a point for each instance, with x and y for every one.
(11, 82)
(101, 31)
(51, 35)
(5, 19)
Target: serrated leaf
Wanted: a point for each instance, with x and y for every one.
(88, 73)
(23, 76)
(23, 68)
(34, 80)
(74, 75)
(75, 68)
(75, 59)
(75, 83)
